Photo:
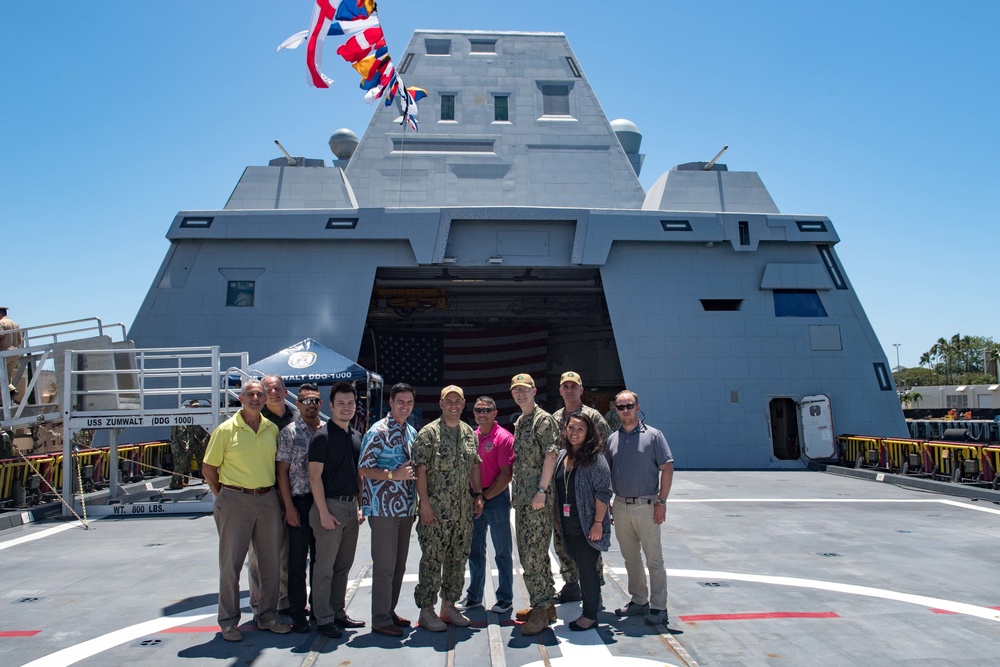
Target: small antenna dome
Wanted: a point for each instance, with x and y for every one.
(628, 135)
(343, 143)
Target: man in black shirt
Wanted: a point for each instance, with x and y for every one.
(335, 515)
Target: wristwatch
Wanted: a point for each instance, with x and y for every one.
(542, 491)
(390, 473)
(661, 501)
(478, 495)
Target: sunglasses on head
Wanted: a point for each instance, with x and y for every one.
(310, 401)
(625, 406)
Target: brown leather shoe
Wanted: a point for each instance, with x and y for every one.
(388, 630)
(399, 621)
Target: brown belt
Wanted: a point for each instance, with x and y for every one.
(253, 492)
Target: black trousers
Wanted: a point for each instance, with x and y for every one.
(301, 548)
(586, 562)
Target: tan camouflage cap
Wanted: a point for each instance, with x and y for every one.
(571, 376)
(452, 389)
(521, 380)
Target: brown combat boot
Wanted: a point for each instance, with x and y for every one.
(523, 614)
(430, 621)
(538, 620)
(449, 614)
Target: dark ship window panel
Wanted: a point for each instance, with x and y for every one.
(744, 232)
(811, 225)
(413, 144)
(676, 225)
(555, 99)
(714, 305)
(240, 293)
(407, 59)
(501, 108)
(483, 46)
(447, 107)
(798, 303)
(831, 267)
(198, 223)
(342, 223)
(438, 47)
(573, 67)
(882, 374)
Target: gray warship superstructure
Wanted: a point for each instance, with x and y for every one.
(518, 204)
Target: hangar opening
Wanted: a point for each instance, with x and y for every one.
(478, 326)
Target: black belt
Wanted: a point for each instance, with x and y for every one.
(253, 492)
(636, 501)
(343, 499)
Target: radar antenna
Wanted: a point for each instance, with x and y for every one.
(293, 162)
(708, 165)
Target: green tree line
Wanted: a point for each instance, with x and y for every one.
(956, 360)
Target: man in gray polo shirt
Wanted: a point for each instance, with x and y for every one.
(642, 470)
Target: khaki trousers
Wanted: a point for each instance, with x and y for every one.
(243, 519)
(638, 534)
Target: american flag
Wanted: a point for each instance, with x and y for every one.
(480, 361)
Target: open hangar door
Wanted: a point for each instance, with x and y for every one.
(477, 327)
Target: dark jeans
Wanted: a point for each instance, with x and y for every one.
(496, 517)
(586, 562)
(301, 548)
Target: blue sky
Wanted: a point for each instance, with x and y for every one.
(880, 115)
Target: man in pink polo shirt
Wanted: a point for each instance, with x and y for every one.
(496, 449)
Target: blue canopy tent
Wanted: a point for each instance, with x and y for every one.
(309, 361)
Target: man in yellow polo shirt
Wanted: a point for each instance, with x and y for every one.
(239, 467)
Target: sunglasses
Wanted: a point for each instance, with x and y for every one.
(310, 401)
(624, 407)
(482, 411)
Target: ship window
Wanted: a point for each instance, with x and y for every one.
(447, 107)
(811, 225)
(406, 63)
(831, 267)
(239, 293)
(202, 223)
(342, 223)
(676, 225)
(572, 66)
(483, 45)
(438, 47)
(721, 304)
(798, 303)
(882, 374)
(555, 99)
(744, 232)
(501, 110)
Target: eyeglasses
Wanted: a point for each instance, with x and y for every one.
(624, 407)
(310, 401)
(482, 411)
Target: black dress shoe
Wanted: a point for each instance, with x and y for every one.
(301, 625)
(348, 622)
(399, 621)
(576, 627)
(330, 630)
